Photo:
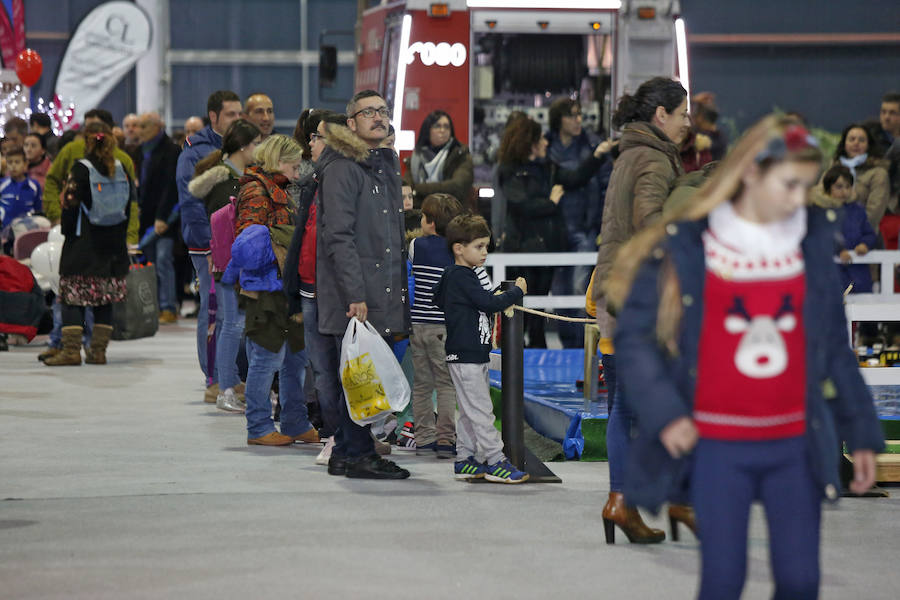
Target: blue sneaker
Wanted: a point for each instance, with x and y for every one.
(469, 469)
(445, 449)
(504, 472)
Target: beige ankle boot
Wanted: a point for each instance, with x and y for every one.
(96, 354)
(71, 348)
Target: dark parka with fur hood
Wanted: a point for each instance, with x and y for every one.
(215, 186)
(360, 254)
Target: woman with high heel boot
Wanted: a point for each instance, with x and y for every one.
(731, 320)
(94, 260)
(654, 121)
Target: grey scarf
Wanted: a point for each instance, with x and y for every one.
(427, 165)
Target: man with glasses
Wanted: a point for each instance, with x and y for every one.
(360, 258)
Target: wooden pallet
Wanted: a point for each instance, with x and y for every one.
(888, 465)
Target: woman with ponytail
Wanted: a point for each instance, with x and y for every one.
(654, 121)
(730, 322)
(94, 263)
(217, 182)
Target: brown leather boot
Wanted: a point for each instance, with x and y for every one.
(616, 512)
(71, 348)
(683, 513)
(96, 354)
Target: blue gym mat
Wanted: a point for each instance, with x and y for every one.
(554, 406)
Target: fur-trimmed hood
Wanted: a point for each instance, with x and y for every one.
(345, 142)
(201, 185)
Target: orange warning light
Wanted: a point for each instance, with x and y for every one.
(439, 9)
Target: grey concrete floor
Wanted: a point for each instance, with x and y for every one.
(117, 481)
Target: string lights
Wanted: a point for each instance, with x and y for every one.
(14, 103)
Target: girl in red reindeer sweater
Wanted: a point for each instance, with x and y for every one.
(731, 321)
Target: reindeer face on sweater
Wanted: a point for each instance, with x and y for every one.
(762, 352)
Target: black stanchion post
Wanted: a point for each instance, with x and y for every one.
(512, 376)
(512, 380)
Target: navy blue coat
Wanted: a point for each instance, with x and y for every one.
(855, 230)
(659, 387)
(194, 221)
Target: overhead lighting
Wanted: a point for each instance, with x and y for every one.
(564, 4)
(402, 139)
(486, 192)
(681, 49)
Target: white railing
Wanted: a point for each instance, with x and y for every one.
(881, 306)
(499, 262)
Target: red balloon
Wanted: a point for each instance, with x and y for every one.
(29, 67)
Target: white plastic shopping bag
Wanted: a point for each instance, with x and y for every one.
(374, 383)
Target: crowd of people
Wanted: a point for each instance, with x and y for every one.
(714, 283)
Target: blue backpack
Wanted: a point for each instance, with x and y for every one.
(109, 197)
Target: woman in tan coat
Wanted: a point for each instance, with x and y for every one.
(654, 122)
(872, 187)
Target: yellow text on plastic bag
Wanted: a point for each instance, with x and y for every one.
(365, 392)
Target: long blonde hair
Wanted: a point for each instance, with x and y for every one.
(724, 185)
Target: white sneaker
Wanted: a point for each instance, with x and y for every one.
(228, 402)
(325, 454)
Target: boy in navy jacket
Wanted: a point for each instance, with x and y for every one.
(466, 305)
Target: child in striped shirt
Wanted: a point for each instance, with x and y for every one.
(429, 256)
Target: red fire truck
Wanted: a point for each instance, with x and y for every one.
(481, 59)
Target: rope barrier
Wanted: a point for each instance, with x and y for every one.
(541, 313)
(546, 315)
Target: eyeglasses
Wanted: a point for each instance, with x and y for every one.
(315, 136)
(441, 126)
(369, 112)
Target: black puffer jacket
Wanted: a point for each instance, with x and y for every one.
(533, 222)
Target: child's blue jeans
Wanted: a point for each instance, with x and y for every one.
(291, 369)
(727, 478)
(56, 332)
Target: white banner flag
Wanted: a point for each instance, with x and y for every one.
(105, 46)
